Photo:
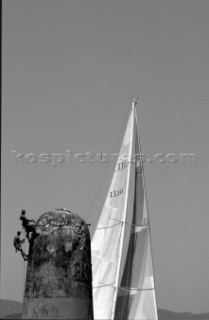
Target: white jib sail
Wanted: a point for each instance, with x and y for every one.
(106, 242)
(123, 282)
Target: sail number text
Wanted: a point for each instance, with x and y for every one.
(122, 165)
(116, 193)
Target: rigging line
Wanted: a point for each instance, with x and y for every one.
(116, 224)
(105, 172)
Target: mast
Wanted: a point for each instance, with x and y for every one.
(133, 105)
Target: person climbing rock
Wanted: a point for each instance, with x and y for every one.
(17, 242)
(29, 228)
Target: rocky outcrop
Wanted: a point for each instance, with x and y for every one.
(59, 278)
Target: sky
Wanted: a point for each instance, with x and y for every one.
(69, 70)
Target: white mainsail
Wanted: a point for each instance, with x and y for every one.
(123, 282)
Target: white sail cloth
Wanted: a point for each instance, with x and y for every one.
(123, 283)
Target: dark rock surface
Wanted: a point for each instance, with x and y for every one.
(59, 278)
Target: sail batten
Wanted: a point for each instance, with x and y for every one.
(123, 281)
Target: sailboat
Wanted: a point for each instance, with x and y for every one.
(123, 280)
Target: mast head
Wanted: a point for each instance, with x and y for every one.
(133, 102)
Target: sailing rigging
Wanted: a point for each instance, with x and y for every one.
(123, 280)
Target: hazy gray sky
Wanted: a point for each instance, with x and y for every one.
(69, 69)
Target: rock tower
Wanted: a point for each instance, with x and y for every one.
(59, 277)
